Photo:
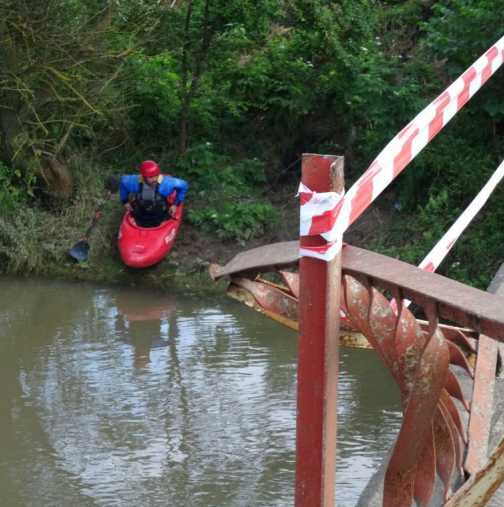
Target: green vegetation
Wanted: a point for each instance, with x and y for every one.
(229, 94)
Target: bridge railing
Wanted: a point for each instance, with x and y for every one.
(326, 213)
(372, 292)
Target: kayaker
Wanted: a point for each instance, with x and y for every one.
(151, 196)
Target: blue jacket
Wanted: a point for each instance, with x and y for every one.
(130, 184)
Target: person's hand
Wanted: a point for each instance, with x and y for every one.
(128, 207)
(172, 210)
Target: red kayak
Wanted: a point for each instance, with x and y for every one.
(141, 247)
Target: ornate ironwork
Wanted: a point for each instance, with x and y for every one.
(434, 437)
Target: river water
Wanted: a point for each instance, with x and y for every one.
(127, 397)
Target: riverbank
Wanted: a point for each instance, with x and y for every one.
(35, 242)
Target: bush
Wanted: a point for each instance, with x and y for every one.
(240, 221)
(13, 189)
(225, 199)
(154, 88)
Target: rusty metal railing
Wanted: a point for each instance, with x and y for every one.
(420, 355)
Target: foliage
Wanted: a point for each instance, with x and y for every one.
(34, 239)
(476, 256)
(235, 220)
(154, 83)
(225, 200)
(60, 63)
(458, 33)
(22, 247)
(229, 93)
(214, 172)
(12, 194)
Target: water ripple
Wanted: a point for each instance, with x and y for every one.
(123, 397)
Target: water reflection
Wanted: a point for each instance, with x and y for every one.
(145, 323)
(128, 397)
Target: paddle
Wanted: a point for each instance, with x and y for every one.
(80, 250)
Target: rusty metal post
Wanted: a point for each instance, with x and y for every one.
(483, 392)
(317, 373)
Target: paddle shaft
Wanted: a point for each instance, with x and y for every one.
(96, 218)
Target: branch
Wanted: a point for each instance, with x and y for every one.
(64, 139)
(66, 82)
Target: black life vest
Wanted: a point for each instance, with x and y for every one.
(150, 207)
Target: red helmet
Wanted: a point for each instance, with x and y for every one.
(149, 169)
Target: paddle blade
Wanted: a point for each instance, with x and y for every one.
(80, 250)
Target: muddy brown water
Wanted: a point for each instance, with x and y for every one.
(120, 397)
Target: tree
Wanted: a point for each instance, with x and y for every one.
(56, 78)
(190, 47)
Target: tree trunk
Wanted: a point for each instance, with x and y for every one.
(188, 93)
(183, 132)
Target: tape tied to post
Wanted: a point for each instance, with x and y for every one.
(318, 215)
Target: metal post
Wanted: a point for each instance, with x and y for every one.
(480, 420)
(317, 373)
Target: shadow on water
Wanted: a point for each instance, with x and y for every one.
(128, 397)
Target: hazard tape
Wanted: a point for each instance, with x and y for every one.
(445, 244)
(404, 147)
(317, 216)
(325, 252)
(317, 210)
(442, 248)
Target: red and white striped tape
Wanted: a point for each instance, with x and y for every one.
(445, 244)
(317, 210)
(316, 217)
(403, 148)
(442, 248)
(325, 252)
